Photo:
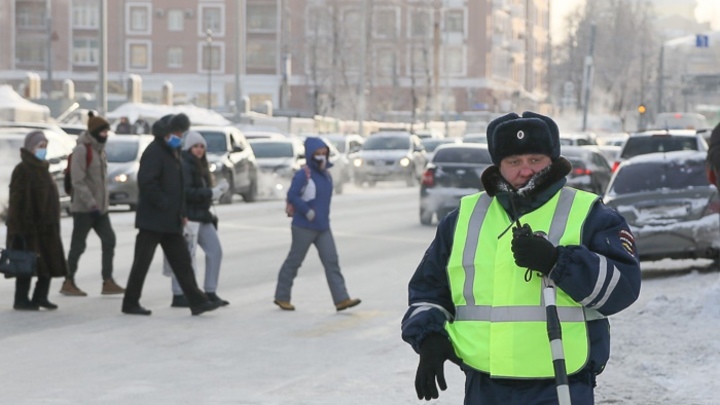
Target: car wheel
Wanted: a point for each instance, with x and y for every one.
(371, 183)
(133, 207)
(251, 194)
(426, 217)
(228, 196)
(358, 181)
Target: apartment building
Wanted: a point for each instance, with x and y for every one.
(303, 55)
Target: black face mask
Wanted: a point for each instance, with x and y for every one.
(98, 137)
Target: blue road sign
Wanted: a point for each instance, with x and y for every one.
(702, 41)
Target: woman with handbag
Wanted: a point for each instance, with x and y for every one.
(33, 222)
(201, 228)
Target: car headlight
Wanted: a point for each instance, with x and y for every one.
(404, 162)
(357, 162)
(213, 167)
(121, 178)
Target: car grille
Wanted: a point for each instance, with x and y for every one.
(380, 162)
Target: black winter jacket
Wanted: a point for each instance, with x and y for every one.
(161, 202)
(198, 194)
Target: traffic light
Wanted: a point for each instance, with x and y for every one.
(642, 109)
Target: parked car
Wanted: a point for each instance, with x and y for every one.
(390, 156)
(430, 144)
(590, 169)
(123, 155)
(611, 152)
(263, 135)
(680, 120)
(453, 173)
(231, 158)
(277, 161)
(340, 169)
(666, 199)
(660, 141)
(60, 145)
(429, 134)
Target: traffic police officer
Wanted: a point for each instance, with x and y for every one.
(476, 297)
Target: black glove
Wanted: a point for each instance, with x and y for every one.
(533, 251)
(435, 349)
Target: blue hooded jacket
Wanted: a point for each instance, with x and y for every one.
(314, 193)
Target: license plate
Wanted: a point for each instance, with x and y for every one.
(665, 211)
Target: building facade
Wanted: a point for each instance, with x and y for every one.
(427, 57)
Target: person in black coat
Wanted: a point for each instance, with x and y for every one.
(161, 217)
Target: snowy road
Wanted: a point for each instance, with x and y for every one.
(665, 348)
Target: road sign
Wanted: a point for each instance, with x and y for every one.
(702, 41)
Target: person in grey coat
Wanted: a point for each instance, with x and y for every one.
(89, 207)
(160, 218)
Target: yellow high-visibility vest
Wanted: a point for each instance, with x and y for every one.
(500, 324)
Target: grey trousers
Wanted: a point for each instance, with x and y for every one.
(302, 238)
(208, 240)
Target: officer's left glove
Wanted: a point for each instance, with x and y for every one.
(434, 350)
(534, 252)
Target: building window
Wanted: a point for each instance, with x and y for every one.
(30, 15)
(454, 21)
(386, 62)
(454, 60)
(138, 54)
(420, 23)
(261, 18)
(176, 20)
(386, 23)
(85, 14)
(175, 57)
(212, 19)
(86, 52)
(212, 56)
(138, 18)
(262, 53)
(30, 50)
(318, 22)
(420, 60)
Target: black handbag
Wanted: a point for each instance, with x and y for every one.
(18, 262)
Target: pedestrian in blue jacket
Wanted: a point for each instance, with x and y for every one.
(310, 194)
(477, 296)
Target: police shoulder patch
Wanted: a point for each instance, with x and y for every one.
(627, 240)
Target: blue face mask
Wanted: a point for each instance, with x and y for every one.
(41, 153)
(174, 142)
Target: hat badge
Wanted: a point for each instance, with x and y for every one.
(520, 134)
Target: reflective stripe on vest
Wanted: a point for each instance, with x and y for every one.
(499, 325)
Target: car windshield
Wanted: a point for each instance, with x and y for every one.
(668, 175)
(216, 141)
(657, 143)
(387, 143)
(339, 144)
(272, 149)
(121, 150)
(462, 155)
(432, 144)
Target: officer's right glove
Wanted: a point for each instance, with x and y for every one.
(434, 350)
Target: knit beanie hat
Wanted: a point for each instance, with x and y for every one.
(34, 138)
(179, 123)
(530, 134)
(161, 127)
(96, 124)
(193, 138)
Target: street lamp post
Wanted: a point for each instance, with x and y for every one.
(208, 41)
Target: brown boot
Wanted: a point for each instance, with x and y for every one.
(110, 287)
(285, 305)
(348, 303)
(69, 288)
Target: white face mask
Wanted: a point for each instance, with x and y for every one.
(320, 158)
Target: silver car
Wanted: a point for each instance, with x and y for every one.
(390, 156)
(672, 210)
(123, 155)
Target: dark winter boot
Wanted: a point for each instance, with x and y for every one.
(40, 296)
(22, 289)
(214, 298)
(180, 301)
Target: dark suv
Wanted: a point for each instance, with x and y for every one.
(231, 158)
(654, 141)
(390, 156)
